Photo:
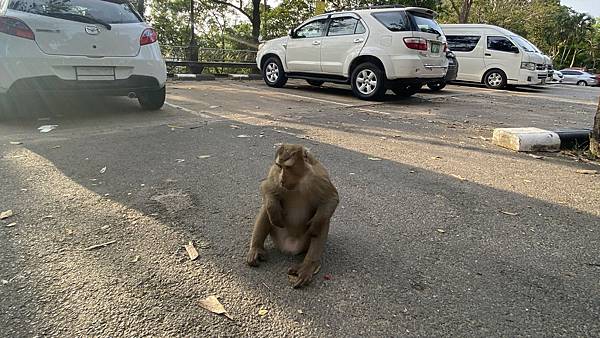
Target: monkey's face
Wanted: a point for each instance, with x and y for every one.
(291, 169)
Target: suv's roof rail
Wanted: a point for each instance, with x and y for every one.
(364, 7)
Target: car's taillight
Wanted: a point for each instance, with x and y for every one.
(15, 27)
(445, 47)
(148, 36)
(416, 43)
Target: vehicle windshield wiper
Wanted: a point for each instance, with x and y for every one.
(78, 17)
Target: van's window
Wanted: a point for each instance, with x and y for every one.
(360, 28)
(526, 45)
(395, 21)
(462, 43)
(312, 29)
(426, 24)
(500, 43)
(342, 26)
(111, 12)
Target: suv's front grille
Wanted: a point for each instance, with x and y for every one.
(540, 66)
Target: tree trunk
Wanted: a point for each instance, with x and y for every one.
(464, 11)
(595, 138)
(573, 59)
(141, 8)
(255, 21)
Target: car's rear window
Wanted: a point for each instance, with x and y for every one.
(395, 21)
(109, 11)
(426, 24)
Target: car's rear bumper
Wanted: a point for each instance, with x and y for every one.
(413, 67)
(55, 85)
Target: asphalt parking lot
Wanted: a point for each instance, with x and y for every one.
(438, 233)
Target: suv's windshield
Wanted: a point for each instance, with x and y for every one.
(97, 11)
(426, 24)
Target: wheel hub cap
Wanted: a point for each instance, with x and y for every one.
(272, 72)
(366, 82)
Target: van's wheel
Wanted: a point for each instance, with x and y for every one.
(582, 83)
(315, 83)
(495, 79)
(273, 73)
(437, 86)
(152, 100)
(407, 90)
(368, 82)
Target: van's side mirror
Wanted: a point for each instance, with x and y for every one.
(291, 33)
(514, 49)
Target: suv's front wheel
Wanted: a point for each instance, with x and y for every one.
(273, 73)
(368, 82)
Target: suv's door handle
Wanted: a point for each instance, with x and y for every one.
(359, 40)
(316, 43)
(488, 54)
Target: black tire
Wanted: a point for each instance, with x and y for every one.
(316, 83)
(406, 90)
(152, 100)
(495, 79)
(582, 83)
(437, 86)
(371, 91)
(273, 73)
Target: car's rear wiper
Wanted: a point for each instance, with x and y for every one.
(78, 17)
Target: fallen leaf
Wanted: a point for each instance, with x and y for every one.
(55, 147)
(180, 160)
(203, 156)
(509, 213)
(105, 227)
(212, 304)
(98, 246)
(436, 157)
(135, 259)
(233, 126)
(174, 126)
(374, 159)
(537, 157)
(243, 136)
(11, 225)
(263, 312)
(214, 107)
(15, 143)
(459, 177)
(327, 276)
(47, 128)
(527, 181)
(103, 170)
(587, 172)
(47, 217)
(6, 214)
(300, 312)
(442, 231)
(191, 250)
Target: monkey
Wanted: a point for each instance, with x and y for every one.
(298, 201)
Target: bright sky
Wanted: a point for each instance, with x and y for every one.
(591, 7)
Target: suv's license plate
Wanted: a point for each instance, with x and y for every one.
(435, 48)
(95, 73)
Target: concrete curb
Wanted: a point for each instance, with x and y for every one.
(535, 139)
(194, 77)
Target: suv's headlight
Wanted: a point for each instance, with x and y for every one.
(528, 65)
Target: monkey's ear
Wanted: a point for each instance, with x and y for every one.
(279, 151)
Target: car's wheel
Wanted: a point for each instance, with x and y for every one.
(273, 73)
(152, 100)
(437, 86)
(407, 90)
(368, 82)
(582, 83)
(315, 83)
(495, 79)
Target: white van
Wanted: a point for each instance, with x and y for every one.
(494, 56)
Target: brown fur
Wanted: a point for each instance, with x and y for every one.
(298, 202)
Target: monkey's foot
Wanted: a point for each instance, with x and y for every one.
(303, 273)
(255, 255)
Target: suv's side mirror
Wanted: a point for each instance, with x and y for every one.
(291, 32)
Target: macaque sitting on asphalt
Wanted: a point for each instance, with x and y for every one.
(298, 202)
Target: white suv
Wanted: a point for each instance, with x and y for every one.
(373, 49)
(97, 46)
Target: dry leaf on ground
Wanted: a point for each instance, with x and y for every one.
(98, 246)
(191, 250)
(374, 159)
(441, 231)
(587, 172)
(263, 312)
(212, 304)
(459, 177)
(509, 213)
(15, 143)
(6, 214)
(11, 225)
(103, 170)
(203, 156)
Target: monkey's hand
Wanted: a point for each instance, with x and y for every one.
(255, 255)
(304, 273)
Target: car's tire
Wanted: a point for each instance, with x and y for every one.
(152, 100)
(368, 82)
(495, 79)
(273, 73)
(582, 83)
(315, 83)
(406, 90)
(437, 86)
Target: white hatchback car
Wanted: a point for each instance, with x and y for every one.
(372, 49)
(102, 47)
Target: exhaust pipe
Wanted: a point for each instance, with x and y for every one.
(131, 95)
